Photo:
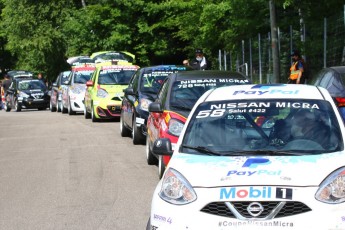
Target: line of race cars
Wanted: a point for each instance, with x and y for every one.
(230, 154)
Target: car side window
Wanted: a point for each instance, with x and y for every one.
(135, 82)
(162, 95)
(326, 79)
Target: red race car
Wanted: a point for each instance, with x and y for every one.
(176, 98)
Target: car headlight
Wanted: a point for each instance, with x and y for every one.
(332, 189)
(144, 104)
(76, 90)
(102, 93)
(22, 94)
(176, 189)
(175, 127)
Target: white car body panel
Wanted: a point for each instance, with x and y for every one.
(261, 178)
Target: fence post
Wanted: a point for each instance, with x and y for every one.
(220, 59)
(260, 69)
(225, 60)
(250, 60)
(325, 42)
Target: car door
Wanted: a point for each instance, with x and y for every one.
(158, 119)
(10, 94)
(91, 90)
(130, 99)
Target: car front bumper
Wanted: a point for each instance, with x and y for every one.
(195, 216)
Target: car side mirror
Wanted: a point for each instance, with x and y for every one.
(129, 91)
(155, 107)
(89, 83)
(162, 146)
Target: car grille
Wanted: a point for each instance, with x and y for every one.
(288, 209)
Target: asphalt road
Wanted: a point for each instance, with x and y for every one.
(65, 172)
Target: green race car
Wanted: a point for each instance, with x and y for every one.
(104, 93)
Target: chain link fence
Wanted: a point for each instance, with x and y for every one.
(321, 45)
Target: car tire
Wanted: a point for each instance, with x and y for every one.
(137, 137)
(150, 158)
(124, 131)
(87, 115)
(63, 109)
(7, 108)
(58, 106)
(51, 107)
(148, 225)
(161, 167)
(93, 117)
(17, 106)
(70, 110)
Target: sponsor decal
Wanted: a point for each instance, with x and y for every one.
(160, 218)
(274, 224)
(255, 192)
(253, 163)
(264, 92)
(251, 192)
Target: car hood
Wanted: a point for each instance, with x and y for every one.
(114, 88)
(34, 91)
(213, 171)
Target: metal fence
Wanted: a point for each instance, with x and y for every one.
(321, 45)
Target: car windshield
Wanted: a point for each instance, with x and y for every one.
(279, 127)
(117, 76)
(31, 85)
(152, 81)
(81, 77)
(184, 94)
(111, 56)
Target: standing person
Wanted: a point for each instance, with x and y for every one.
(296, 69)
(186, 62)
(6, 84)
(4, 87)
(40, 76)
(199, 63)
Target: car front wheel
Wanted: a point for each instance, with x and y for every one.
(51, 107)
(161, 167)
(150, 158)
(17, 106)
(137, 137)
(93, 116)
(125, 132)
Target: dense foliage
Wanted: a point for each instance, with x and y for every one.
(39, 35)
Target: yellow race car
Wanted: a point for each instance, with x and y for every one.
(113, 58)
(104, 93)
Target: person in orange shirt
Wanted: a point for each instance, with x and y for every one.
(296, 69)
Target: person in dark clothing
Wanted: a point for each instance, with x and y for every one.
(6, 84)
(39, 76)
(200, 62)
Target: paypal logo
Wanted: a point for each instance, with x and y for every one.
(254, 162)
(267, 86)
(275, 89)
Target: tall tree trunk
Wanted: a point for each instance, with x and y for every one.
(274, 40)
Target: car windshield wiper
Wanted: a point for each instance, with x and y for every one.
(181, 107)
(266, 152)
(202, 149)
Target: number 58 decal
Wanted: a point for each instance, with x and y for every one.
(211, 113)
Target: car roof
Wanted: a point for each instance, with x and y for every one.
(166, 68)
(127, 67)
(268, 91)
(84, 68)
(206, 74)
(340, 69)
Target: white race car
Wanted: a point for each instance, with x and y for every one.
(74, 92)
(255, 157)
